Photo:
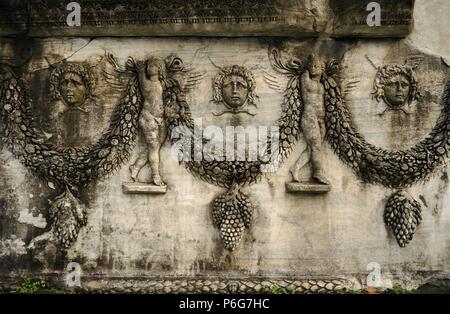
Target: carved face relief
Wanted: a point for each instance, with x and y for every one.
(72, 89)
(154, 68)
(72, 83)
(396, 85)
(315, 66)
(235, 91)
(397, 90)
(234, 87)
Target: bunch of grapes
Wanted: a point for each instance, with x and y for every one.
(403, 215)
(232, 213)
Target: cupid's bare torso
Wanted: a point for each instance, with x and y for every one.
(313, 93)
(152, 91)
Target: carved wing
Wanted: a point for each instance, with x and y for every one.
(276, 82)
(187, 77)
(289, 80)
(118, 76)
(349, 85)
(193, 79)
(294, 66)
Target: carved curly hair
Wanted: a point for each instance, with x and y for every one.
(69, 67)
(238, 71)
(386, 72)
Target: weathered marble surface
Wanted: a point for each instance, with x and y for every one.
(332, 235)
(287, 18)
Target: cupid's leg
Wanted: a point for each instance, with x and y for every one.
(139, 163)
(154, 143)
(305, 157)
(162, 131)
(313, 136)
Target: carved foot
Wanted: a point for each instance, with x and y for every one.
(157, 180)
(320, 177)
(294, 175)
(134, 173)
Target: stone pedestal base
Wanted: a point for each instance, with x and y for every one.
(143, 188)
(308, 187)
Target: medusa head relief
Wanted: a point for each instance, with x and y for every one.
(397, 86)
(234, 87)
(71, 83)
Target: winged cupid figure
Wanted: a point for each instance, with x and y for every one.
(154, 76)
(305, 78)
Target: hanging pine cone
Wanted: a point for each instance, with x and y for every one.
(403, 215)
(232, 213)
(67, 215)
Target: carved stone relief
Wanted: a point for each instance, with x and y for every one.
(397, 86)
(311, 125)
(312, 122)
(74, 108)
(69, 169)
(153, 103)
(234, 88)
(397, 170)
(393, 169)
(403, 214)
(123, 136)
